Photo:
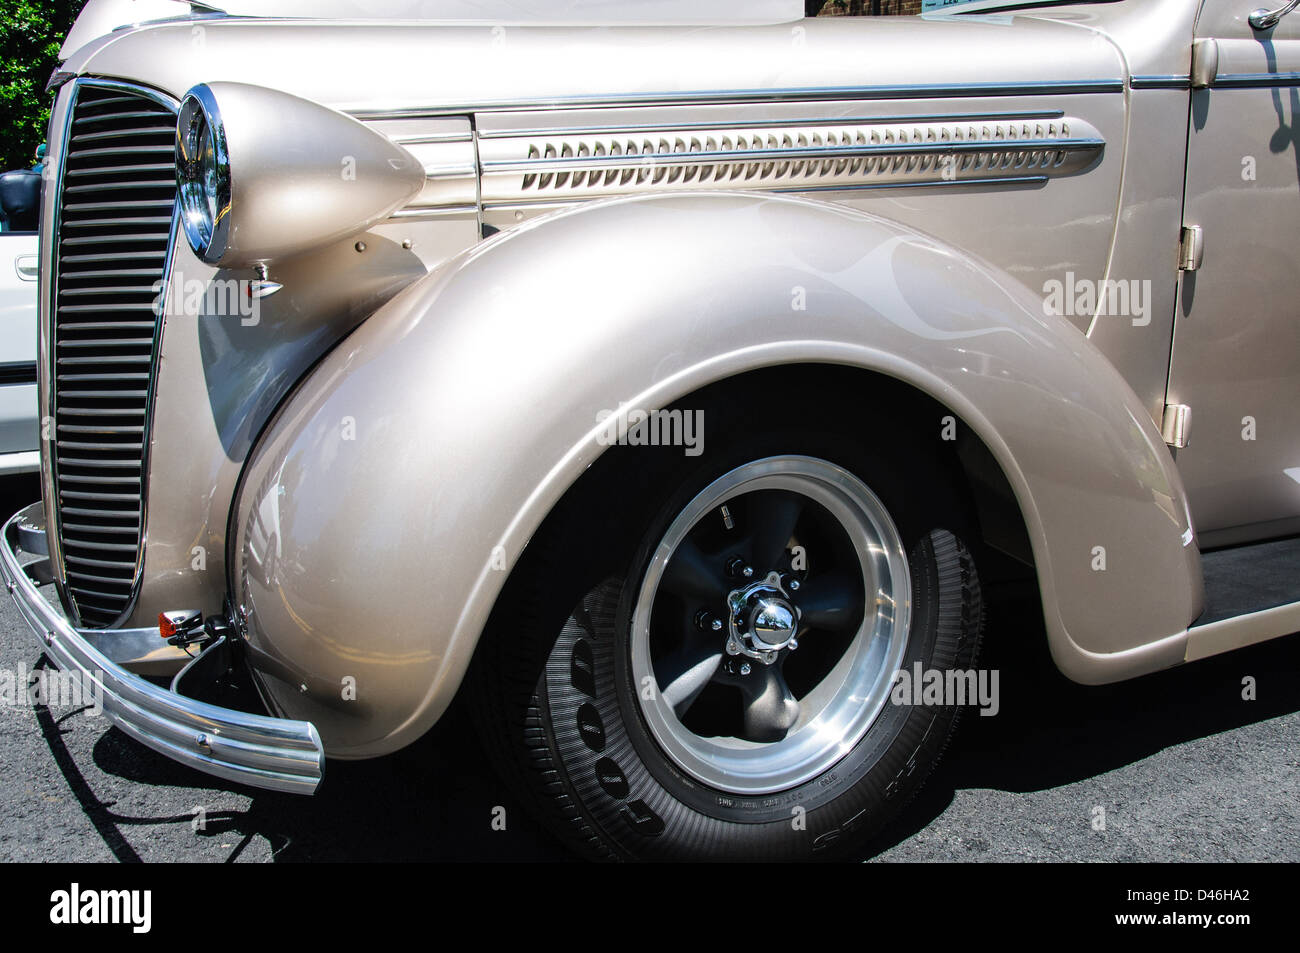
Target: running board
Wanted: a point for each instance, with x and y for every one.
(1252, 594)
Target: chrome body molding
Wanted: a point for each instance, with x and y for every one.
(811, 157)
(1160, 82)
(445, 148)
(250, 749)
(743, 96)
(468, 169)
(1256, 80)
(503, 127)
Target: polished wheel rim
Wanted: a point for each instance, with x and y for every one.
(770, 623)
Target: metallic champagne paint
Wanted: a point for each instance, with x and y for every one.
(308, 176)
(409, 512)
(468, 368)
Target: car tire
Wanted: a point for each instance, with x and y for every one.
(600, 748)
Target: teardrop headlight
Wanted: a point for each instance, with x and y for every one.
(203, 175)
(309, 175)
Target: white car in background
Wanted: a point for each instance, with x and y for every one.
(18, 273)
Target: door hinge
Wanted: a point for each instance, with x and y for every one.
(1191, 248)
(1176, 424)
(1205, 63)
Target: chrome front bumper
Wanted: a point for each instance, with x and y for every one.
(257, 750)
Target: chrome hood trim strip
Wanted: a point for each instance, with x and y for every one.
(739, 96)
(804, 157)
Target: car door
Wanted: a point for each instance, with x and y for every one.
(1236, 352)
(18, 403)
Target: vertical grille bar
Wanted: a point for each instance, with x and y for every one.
(114, 226)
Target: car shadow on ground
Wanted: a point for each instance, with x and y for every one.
(1052, 732)
(436, 799)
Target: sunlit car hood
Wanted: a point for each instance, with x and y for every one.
(100, 17)
(557, 11)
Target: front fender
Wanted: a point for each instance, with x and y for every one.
(381, 511)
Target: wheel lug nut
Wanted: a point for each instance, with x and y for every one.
(794, 585)
(707, 621)
(745, 668)
(793, 644)
(738, 568)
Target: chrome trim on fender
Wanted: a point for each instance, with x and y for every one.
(449, 157)
(828, 156)
(737, 96)
(604, 163)
(590, 130)
(257, 750)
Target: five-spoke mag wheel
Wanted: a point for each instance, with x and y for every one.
(769, 625)
(694, 658)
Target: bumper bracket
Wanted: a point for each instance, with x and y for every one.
(257, 750)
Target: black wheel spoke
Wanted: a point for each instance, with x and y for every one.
(774, 525)
(770, 707)
(832, 601)
(692, 574)
(685, 673)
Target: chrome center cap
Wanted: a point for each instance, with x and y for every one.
(772, 622)
(763, 620)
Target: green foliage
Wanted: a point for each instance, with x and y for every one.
(31, 32)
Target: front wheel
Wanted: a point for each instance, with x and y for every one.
(727, 691)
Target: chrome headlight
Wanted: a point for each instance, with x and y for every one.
(308, 175)
(203, 174)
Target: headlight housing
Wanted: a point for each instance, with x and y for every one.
(308, 175)
(203, 174)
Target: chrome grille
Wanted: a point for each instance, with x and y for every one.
(116, 200)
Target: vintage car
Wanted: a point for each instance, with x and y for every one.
(658, 378)
(20, 192)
